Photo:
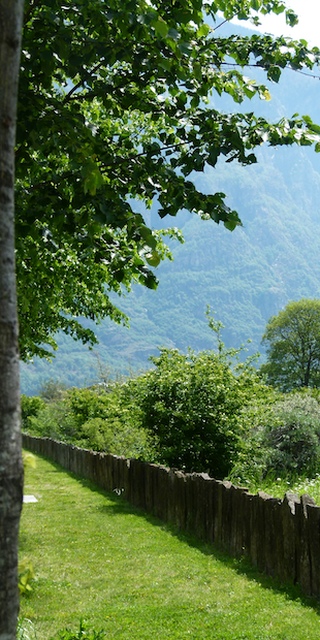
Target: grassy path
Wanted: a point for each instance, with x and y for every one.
(96, 557)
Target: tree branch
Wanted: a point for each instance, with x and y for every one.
(33, 6)
(81, 82)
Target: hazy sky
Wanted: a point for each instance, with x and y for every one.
(309, 22)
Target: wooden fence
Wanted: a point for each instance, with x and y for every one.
(281, 537)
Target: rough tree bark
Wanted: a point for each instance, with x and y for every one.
(11, 467)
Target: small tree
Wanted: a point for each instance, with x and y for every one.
(293, 346)
(193, 405)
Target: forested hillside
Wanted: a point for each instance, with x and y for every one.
(245, 276)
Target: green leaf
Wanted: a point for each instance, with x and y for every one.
(195, 102)
(197, 70)
(148, 237)
(203, 30)
(174, 34)
(93, 178)
(150, 281)
(307, 120)
(249, 92)
(153, 259)
(291, 18)
(161, 28)
(255, 4)
(315, 128)
(230, 224)
(265, 94)
(274, 73)
(186, 48)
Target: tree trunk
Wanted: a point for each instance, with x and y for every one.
(11, 467)
(308, 369)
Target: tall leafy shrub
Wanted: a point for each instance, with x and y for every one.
(283, 438)
(192, 403)
(30, 407)
(292, 434)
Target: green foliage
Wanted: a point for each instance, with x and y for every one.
(26, 630)
(84, 633)
(192, 403)
(293, 346)
(197, 412)
(186, 412)
(185, 404)
(115, 113)
(283, 439)
(53, 421)
(52, 390)
(95, 419)
(25, 576)
(30, 407)
(293, 436)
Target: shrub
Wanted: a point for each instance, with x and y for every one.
(192, 403)
(293, 435)
(284, 439)
(51, 390)
(54, 420)
(95, 419)
(30, 407)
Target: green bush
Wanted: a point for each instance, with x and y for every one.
(192, 404)
(54, 420)
(95, 419)
(251, 464)
(284, 439)
(30, 407)
(293, 436)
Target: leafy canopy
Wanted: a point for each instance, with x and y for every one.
(114, 114)
(293, 346)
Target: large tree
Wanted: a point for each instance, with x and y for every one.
(11, 468)
(115, 113)
(293, 346)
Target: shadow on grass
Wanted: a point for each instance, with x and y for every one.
(242, 565)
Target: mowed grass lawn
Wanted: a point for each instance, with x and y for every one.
(97, 557)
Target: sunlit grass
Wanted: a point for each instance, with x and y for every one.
(277, 487)
(97, 557)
